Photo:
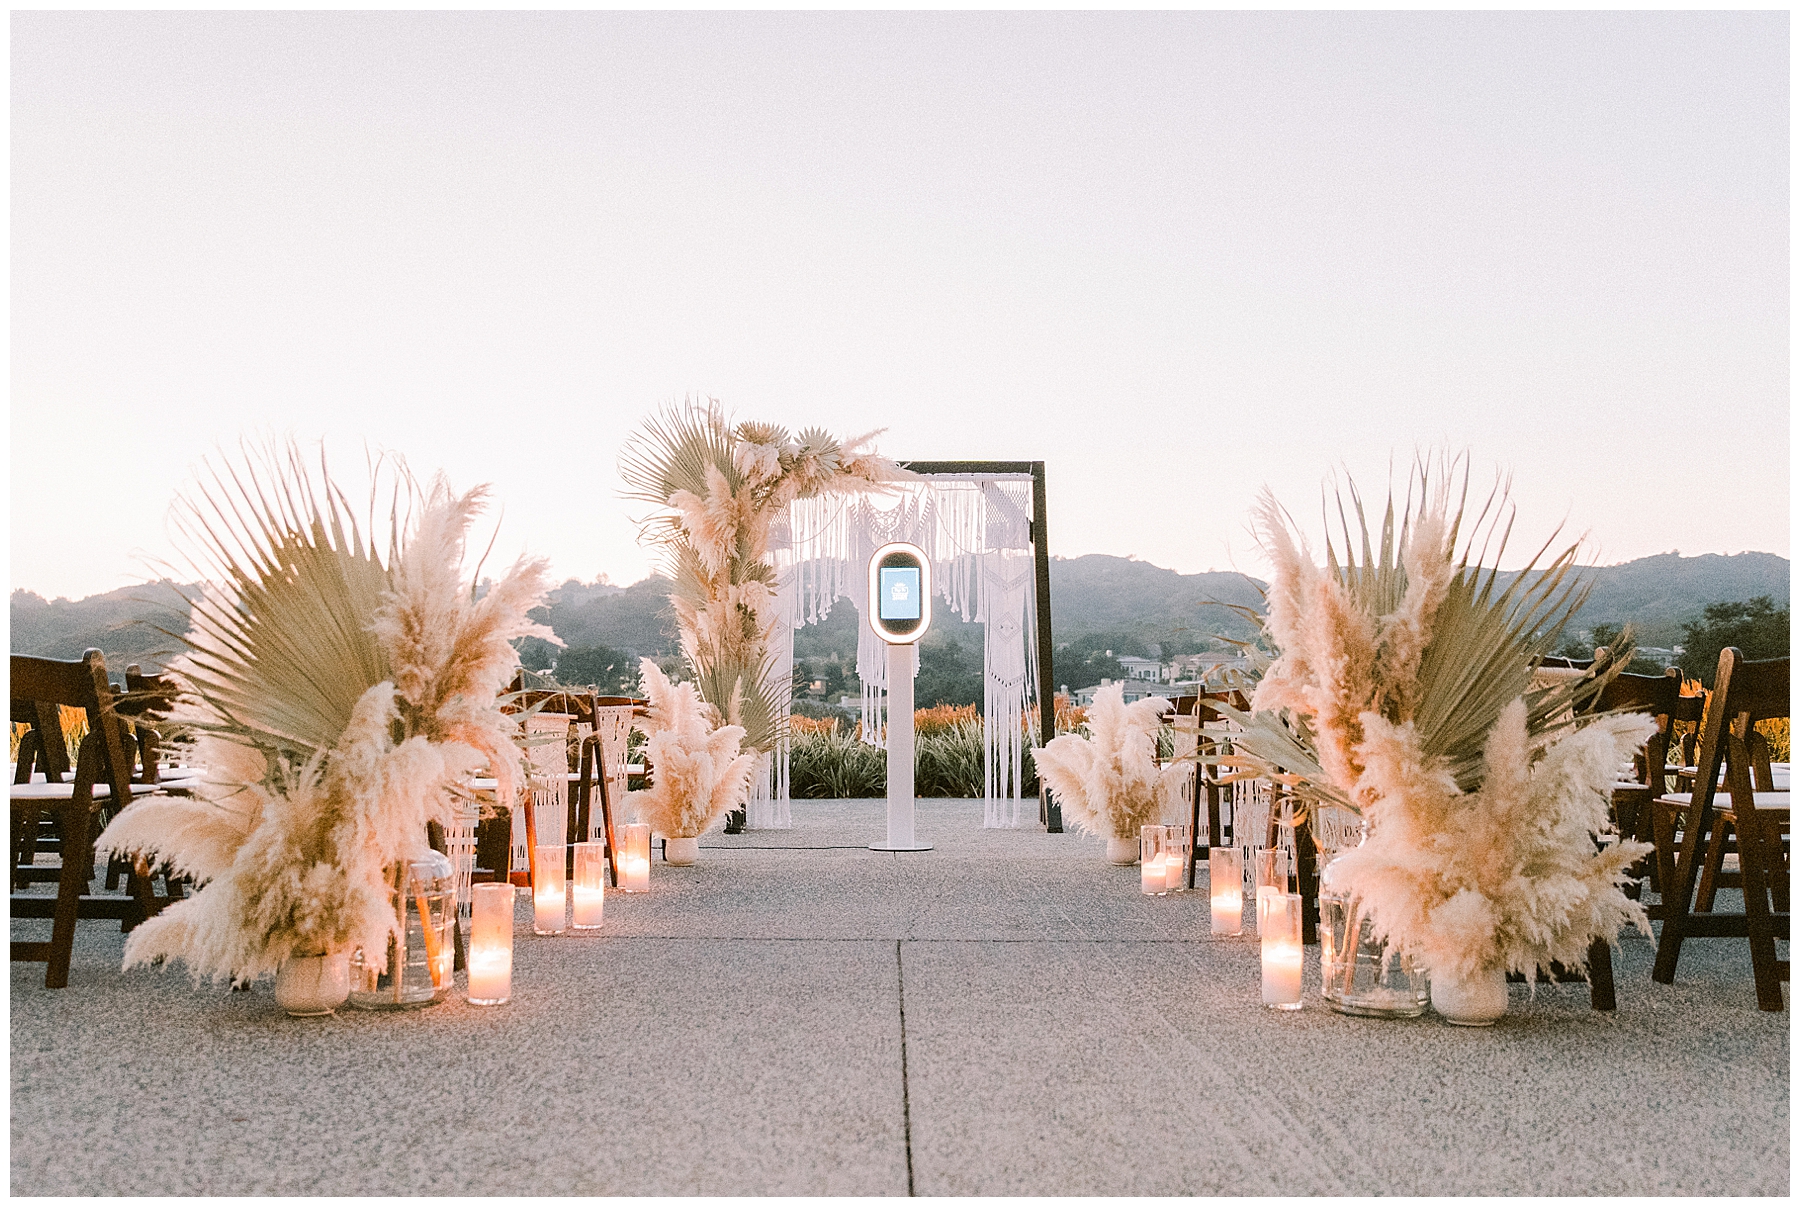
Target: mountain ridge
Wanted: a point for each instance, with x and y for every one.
(1094, 598)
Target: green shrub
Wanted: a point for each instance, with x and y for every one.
(949, 763)
(831, 765)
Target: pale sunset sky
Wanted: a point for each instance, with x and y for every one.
(1176, 256)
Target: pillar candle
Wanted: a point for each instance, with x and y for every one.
(1153, 876)
(590, 885)
(549, 896)
(1175, 870)
(634, 859)
(1282, 954)
(1225, 877)
(490, 944)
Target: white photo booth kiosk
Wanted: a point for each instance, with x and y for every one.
(900, 589)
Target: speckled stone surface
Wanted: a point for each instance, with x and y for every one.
(795, 1014)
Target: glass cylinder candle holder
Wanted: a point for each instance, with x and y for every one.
(590, 885)
(550, 895)
(634, 859)
(1178, 848)
(1225, 881)
(490, 944)
(1152, 873)
(1273, 867)
(1278, 924)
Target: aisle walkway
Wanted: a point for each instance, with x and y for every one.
(799, 1015)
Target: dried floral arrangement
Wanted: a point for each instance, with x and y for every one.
(1109, 783)
(721, 485)
(1402, 691)
(701, 769)
(336, 698)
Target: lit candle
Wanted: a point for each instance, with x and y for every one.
(1175, 870)
(1152, 876)
(1278, 920)
(1152, 871)
(1225, 877)
(1178, 848)
(549, 896)
(490, 944)
(634, 859)
(1271, 878)
(590, 885)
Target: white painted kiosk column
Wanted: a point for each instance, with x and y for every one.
(900, 612)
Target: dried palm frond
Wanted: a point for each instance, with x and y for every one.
(1403, 691)
(278, 645)
(337, 700)
(719, 487)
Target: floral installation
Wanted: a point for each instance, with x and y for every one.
(1402, 691)
(701, 770)
(1109, 783)
(721, 486)
(336, 700)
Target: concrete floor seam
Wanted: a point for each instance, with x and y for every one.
(905, 1089)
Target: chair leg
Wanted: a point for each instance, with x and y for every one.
(1715, 864)
(69, 888)
(1763, 963)
(1676, 905)
(1600, 976)
(606, 820)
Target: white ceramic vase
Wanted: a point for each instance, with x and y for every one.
(1122, 850)
(1473, 1001)
(309, 986)
(681, 851)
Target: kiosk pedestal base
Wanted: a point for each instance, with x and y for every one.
(899, 846)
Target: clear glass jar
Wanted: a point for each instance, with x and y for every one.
(420, 961)
(1359, 975)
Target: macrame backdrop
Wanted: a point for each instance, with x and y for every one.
(977, 530)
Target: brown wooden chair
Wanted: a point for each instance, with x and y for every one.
(1690, 827)
(100, 776)
(146, 701)
(1660, 696)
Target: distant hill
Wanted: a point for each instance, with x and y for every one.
(1094, 600)
(1659, 594)
(122, 624)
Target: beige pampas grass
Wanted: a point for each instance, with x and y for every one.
(1109, 783)
(337, 701)
(1402, 691)
(699, 770)
(718, 488)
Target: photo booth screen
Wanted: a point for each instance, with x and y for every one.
(899, 593)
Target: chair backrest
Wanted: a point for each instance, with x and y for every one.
(1744, 693)
(147, 698)
(1658, 695)
(45, 746)
(1567, 664)
(81, 684)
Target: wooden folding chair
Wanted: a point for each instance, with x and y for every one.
(101, 775)
(1692, 828)
(1660, 696)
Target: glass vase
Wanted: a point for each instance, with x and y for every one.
(1359, 974)
(421, 957)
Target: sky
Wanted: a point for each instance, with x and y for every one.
(1178, 257)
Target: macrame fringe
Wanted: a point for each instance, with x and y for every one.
(976, 529)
